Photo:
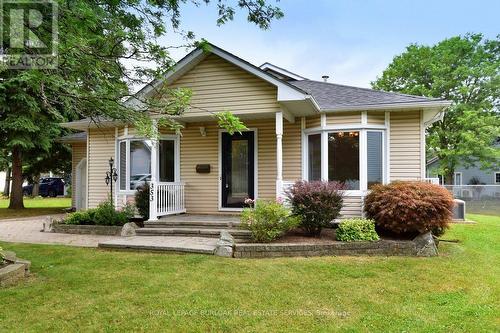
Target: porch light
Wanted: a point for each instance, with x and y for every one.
(111, 177)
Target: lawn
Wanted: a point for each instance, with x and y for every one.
(79, 289)
(34, 207)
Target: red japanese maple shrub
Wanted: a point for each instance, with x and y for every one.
(316, 203)
(409, 207)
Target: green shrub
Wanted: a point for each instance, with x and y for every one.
(357, 229)
(104, 214)
(316, 203)
(142, 201)
(409, 208)
(268, 220)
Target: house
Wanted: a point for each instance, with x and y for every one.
(472, 182)
(298, 129)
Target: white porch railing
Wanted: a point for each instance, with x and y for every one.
(431, 180)
(169, 199)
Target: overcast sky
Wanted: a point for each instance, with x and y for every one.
(350, 40)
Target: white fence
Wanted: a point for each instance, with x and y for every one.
(480, 199)
(170, 198)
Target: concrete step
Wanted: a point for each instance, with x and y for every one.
(192, 224)
(163, 244)
(193, 232)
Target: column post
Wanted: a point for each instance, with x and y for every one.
(153, 185)
(279, 153)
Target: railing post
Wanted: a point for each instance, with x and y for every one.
(153, 185)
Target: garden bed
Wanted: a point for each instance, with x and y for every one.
(107, 230)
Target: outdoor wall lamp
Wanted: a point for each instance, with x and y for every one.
(111, 177)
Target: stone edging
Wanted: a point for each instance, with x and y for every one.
(16, 270)
(421, 246)
(107, 230)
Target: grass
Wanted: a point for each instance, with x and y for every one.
(34, 207)
(79, 289)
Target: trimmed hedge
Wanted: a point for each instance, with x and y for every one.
(409, 207)
(356, 229)
(104, 214)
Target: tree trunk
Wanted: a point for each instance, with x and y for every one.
(448, 178)
(16, 195)
(36, 186)
(6, 188)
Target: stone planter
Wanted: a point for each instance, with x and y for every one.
(87, 229)
(421, 246)
(16, 270)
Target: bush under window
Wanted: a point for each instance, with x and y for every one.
(316, 203)
(104, 214)
(356, 229)
(408, 208)
(268, 220)
(142, 201)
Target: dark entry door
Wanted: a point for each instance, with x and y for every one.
(237, 169)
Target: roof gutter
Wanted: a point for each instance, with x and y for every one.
(390, 106)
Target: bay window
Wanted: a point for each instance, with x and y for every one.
(134, 162)
(353, 157)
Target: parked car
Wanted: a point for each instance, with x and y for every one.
(49, 187)
(138, 180)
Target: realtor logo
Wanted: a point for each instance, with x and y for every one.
(28, 34)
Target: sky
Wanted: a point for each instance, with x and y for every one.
(352, 41)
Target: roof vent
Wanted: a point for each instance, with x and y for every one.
(325, 78)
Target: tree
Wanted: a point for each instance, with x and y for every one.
(462, 69)
(91, 80)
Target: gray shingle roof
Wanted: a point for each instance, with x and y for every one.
(75, 137)
(330, 96)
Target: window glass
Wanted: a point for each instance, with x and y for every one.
(123, 164)
(374, 158)
(140, 162)
(314, 148)
(343, 158)
(167, 160)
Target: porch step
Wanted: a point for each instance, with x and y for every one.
(193, 232)
(193, 224)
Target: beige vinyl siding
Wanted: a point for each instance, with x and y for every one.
(202, 190)
(78, 153)
(405, 145)
(343, 118)
(218, 85)
(313, 121)
(101, 148)
(353, 207)
(375, 117)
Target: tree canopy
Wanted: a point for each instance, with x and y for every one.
(466, 71)
(92, 80)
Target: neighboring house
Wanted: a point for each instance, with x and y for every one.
(298, 129)
(468, 175)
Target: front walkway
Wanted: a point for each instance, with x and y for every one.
(28, 230)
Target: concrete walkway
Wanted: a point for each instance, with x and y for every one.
(28, 230)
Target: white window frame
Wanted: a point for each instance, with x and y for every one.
(127, 139)
(455, 178)
(495, 177)
(363, 162)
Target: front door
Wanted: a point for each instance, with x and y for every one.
(237, 169)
